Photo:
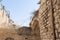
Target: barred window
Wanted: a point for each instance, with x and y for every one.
(45, 19)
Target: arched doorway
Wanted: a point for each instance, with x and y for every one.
(36, 30)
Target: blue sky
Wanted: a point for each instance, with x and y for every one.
(21, 10)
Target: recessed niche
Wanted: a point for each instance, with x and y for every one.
(9, 38)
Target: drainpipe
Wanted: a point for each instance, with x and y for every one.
(53, 19)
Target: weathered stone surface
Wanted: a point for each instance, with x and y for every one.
(48, 20)
(45, 24)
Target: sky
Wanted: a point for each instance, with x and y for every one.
(21, 10)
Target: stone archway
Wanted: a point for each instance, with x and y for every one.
(36, 30)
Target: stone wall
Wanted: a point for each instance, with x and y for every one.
(23, 33)
(45, 24)
(48, 19)
(35, 26)
(56, 8)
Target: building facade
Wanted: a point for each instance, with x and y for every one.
(48, 20)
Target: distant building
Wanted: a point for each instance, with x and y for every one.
(3, 16)
(11, 31)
